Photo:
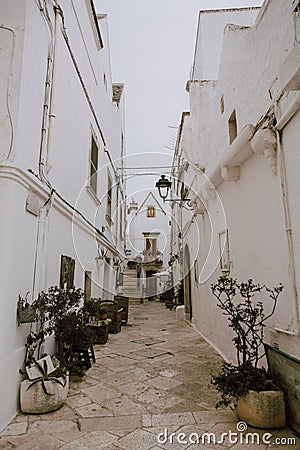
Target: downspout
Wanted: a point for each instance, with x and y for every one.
(47, 99)
(289, 236)
(39, 274)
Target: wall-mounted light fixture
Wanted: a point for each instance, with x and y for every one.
(164, 185)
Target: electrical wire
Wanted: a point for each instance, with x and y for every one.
(74, 209)
(147, 167)
(8, 88)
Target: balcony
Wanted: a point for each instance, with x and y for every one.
(153, 257)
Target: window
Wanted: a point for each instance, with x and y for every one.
(93, 165)
(222, 105)
(121, 221)
(109, 198)
(232, 127)
(151, 246)
(67, 268)
(88, 285)
(151, 211)
(224, 250)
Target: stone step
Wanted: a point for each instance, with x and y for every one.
(134, 301)
(130, 293)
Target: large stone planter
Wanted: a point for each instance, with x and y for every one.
(34, 400)
(265, 409)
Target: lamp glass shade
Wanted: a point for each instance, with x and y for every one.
(163, 185)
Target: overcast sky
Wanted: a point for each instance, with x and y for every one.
(152, 47)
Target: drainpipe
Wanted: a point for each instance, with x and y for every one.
(47, 100)
(289, 236)
(39, 273)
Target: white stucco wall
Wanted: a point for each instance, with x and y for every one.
(249, 82)
(74, 111)
(209, 41)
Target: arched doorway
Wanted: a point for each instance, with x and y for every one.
(187, 284)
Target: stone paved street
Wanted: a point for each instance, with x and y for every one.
(151, 377)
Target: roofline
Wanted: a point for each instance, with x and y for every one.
(244, 8)
(150, 194)
(184, 114)
(213, 11)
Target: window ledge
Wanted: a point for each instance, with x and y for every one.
(92, 194)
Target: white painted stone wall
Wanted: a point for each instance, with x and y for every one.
(250, 81)
(25, 237)
(139, 223)
(209, 40)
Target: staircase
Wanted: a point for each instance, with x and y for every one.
(130, 288)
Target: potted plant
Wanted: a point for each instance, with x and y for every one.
(26, 313)
(60, 313)
(249, 388)
(96, 320)
(93, 310)
(46, 388)
(63, 315)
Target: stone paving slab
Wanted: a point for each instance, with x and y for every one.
(91, 441)
(127, 399)
(47, 426)
(108, 423)
(42, 442)
(163, 382)
(137, 440)
(221, 416)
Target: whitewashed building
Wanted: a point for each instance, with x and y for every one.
(242, 144)
(61, 132)
(148, 232)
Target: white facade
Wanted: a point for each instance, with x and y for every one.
(148, 238)
(150, 216)
(244, 133)
(61, 120)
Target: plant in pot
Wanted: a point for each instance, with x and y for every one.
(46, 388)
(94, 311)
(249, 388)
(65, 317)
(60, 307)
(96, 320)
(26, 313)
(46, 385)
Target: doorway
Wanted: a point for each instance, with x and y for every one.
(151, 284)
(187, 284)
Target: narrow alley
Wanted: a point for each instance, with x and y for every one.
(150, 380)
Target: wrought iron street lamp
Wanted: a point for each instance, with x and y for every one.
(164, 185)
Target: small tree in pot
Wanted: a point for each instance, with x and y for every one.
(246, 383)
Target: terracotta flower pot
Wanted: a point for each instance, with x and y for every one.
(103, 316)
(265, 409)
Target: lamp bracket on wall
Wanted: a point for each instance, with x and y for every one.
(164, 185)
